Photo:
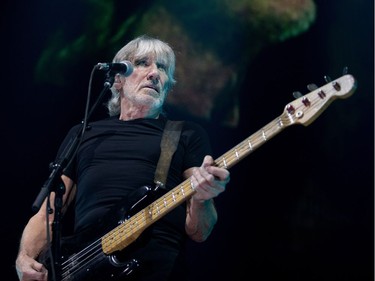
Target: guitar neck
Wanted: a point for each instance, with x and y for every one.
(124, 234)
(303, 110)
(250, 144)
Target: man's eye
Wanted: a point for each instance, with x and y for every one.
(162, 67)
(141, 63)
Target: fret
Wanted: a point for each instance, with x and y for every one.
(224, 162)
(250, 145)
(264, 135)
(236, 152)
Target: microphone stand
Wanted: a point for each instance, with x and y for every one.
(55, 184)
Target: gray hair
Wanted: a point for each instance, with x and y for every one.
(139, 47)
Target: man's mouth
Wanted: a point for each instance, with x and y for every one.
(152, 87)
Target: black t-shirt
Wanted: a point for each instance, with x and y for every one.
(117, 157)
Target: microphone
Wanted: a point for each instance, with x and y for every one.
(124, 67)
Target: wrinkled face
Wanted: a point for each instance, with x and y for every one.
(146, 85)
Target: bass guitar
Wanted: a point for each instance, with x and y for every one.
(100, 259)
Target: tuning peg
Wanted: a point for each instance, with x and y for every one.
(312, 87)
(345, 70)
(327, 78)
(297, 94)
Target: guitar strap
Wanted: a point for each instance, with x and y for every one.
(168, 145)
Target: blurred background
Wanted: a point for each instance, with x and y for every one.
(298, 208)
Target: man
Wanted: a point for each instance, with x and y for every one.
(118, 156)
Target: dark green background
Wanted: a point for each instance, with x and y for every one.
(298, 208)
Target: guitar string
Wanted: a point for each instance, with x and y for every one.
(229, 157)
(74, 262)
(160, 208)
(165, 201)
(259, 140)
(82, 251)
(81, 258)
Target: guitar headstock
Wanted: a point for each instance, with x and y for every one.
(307, 108)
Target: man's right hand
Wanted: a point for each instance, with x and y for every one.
(28, 269)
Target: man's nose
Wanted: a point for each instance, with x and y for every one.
(153, 74)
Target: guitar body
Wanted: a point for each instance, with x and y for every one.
(82, 257)
(95, 266)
